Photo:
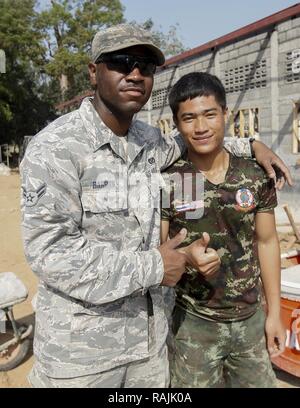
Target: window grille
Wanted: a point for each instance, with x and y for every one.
(159, 98)
(293, 66)
(249, 76)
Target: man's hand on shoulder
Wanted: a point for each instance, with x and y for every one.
(273, 165)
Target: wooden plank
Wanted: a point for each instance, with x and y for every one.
(291, 219)
(242, 124)
(295, 128)
(231, 123)
(251, 122)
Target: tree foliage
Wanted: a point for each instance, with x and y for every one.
(67, 27)
(22, 107)
(169, 42)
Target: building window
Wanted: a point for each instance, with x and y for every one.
(293, 66)
(159, 98)
(244, 123)
(249, 76)
(296, 128)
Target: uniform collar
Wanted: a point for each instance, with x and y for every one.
(99, 134)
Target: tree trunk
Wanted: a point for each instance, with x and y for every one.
(64, 85)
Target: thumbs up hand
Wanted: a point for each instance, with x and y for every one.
(199, 256)
(173, 260)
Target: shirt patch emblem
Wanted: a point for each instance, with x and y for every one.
(32, 197)
(193, 205)
(244, 199)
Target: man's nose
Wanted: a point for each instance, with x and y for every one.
(135, 73)
(201, 125)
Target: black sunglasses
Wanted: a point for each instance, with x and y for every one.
(126, 63)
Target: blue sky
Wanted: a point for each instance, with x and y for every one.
(201, 21)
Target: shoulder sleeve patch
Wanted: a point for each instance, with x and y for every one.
(32, 197)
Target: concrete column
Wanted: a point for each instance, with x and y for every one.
(177, 76)
(217, 63)
(274, 91)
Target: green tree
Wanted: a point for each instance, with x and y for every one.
(67, 27)
(22, 108)
(169, 42)
(19, 37)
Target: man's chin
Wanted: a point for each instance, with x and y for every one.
(205, 149)
(133, 107)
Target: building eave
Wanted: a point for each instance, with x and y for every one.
(258, 26)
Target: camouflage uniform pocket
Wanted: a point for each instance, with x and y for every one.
(96, 332)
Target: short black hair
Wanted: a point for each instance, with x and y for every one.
(196, 84)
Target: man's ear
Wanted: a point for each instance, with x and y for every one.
(93, 72)
(175, 120)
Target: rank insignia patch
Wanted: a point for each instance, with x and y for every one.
(32, 197)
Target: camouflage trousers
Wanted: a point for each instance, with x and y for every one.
(152, 372)
(209, 354)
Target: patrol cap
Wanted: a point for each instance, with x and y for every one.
(123, 36)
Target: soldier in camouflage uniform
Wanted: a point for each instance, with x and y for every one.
(91, 223)
(218, 322)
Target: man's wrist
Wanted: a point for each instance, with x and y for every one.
(274, 310)
(184, 251)
(251, 142)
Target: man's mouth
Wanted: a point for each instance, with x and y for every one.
(134, 90)
(202, 139)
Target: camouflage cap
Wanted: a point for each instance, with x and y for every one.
(123, 36)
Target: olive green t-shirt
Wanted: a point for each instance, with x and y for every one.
(229, 211)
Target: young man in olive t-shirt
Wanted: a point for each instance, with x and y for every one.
(221, 335)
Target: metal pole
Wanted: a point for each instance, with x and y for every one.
(7, 160)
(7, 156)
(7, 153)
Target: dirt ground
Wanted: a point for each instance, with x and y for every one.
(12, 259)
